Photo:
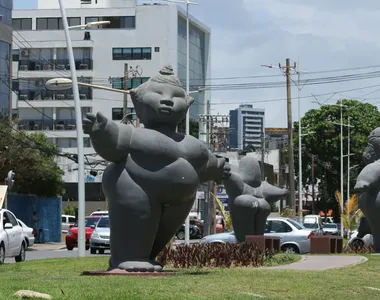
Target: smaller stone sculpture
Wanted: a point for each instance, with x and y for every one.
(249, 198)
(368, 182)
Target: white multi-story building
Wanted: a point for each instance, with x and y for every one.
(5, 57)
(247, 125)
(139, 37)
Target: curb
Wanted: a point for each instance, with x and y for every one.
(46, 249)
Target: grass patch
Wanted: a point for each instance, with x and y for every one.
(61, 278)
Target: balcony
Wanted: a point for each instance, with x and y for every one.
(47, 125)
(35, 95)
(54, 65)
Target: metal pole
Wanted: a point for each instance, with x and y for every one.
(187, 221)
(348, 160)
(78, 116)
(341, 167)
(299, 148)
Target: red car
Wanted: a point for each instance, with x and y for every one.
(72, 234)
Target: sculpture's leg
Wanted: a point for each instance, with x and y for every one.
(171, 220)
(134, 218)
(243, 212)
(262, 216)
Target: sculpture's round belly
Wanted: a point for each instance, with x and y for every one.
(173, 183)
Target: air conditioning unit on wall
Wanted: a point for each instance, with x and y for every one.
(25, 52)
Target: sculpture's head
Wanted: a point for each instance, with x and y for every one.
(250, 171)
(372, 151)
(161, 100)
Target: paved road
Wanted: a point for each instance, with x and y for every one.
(42, 254)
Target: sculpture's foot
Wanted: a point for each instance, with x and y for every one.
(139, 266)
(157, 264)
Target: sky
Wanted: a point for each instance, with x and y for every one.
(322, 35)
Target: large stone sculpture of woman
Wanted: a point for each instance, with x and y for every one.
(154, 173)
(368, 182)
(249, 198)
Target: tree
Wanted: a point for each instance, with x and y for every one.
(32, 158)
(324, 143)
(194, 128)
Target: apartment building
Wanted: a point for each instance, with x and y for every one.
(247, 125)
(139, 40)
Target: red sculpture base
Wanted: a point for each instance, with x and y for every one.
(119, 272)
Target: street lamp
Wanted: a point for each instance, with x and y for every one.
(89, 24)
(78, 117)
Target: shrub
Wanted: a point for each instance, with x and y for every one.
(358, 250)
(214, 256)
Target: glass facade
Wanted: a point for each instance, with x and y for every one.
(197, 63)
(6, 11)
(5, 94)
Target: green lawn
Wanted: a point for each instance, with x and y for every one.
(57, 275)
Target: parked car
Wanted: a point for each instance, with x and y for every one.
(12, 242)
(294, 237)
(100, 237)
(317, 227)
(356, 242)
(28, 233)
(331, 229)
(100, 213)
(194, 232)
(72, 234)
(67, 221)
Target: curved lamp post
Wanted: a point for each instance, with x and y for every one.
(78, 117)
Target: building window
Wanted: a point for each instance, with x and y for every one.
(56, 23)
(15, 55)
(156, 49)
(135, 82)
(117, 113)
(74, 21)
(15, 85)
(128, 22)
(117, 83)
(22, 24)
(132, 53)
(132, 111)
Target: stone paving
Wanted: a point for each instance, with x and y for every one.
(322, 262)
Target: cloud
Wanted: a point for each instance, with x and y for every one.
(323, 34)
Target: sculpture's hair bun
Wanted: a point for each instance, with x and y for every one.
(166, 75)
(167, 70)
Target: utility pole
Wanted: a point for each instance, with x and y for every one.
(348, 159)
(209, 205)
(130, 73)
(312, 185)
(292, 201)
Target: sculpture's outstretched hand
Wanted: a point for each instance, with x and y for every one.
(93, 124)
(224, 169)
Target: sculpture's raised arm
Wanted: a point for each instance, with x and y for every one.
(109, 139)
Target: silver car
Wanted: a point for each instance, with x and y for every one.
(294, 237)
(100, 237)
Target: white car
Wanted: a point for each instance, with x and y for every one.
(100, 213)
(12, 242)
(294, 237)
(67, 221)
(28, 233)
(357, 242)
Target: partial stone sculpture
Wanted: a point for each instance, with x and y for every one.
(152, 181)
(368, 182)
(249, 198)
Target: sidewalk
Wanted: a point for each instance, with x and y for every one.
(47, 247)
(321, 262)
